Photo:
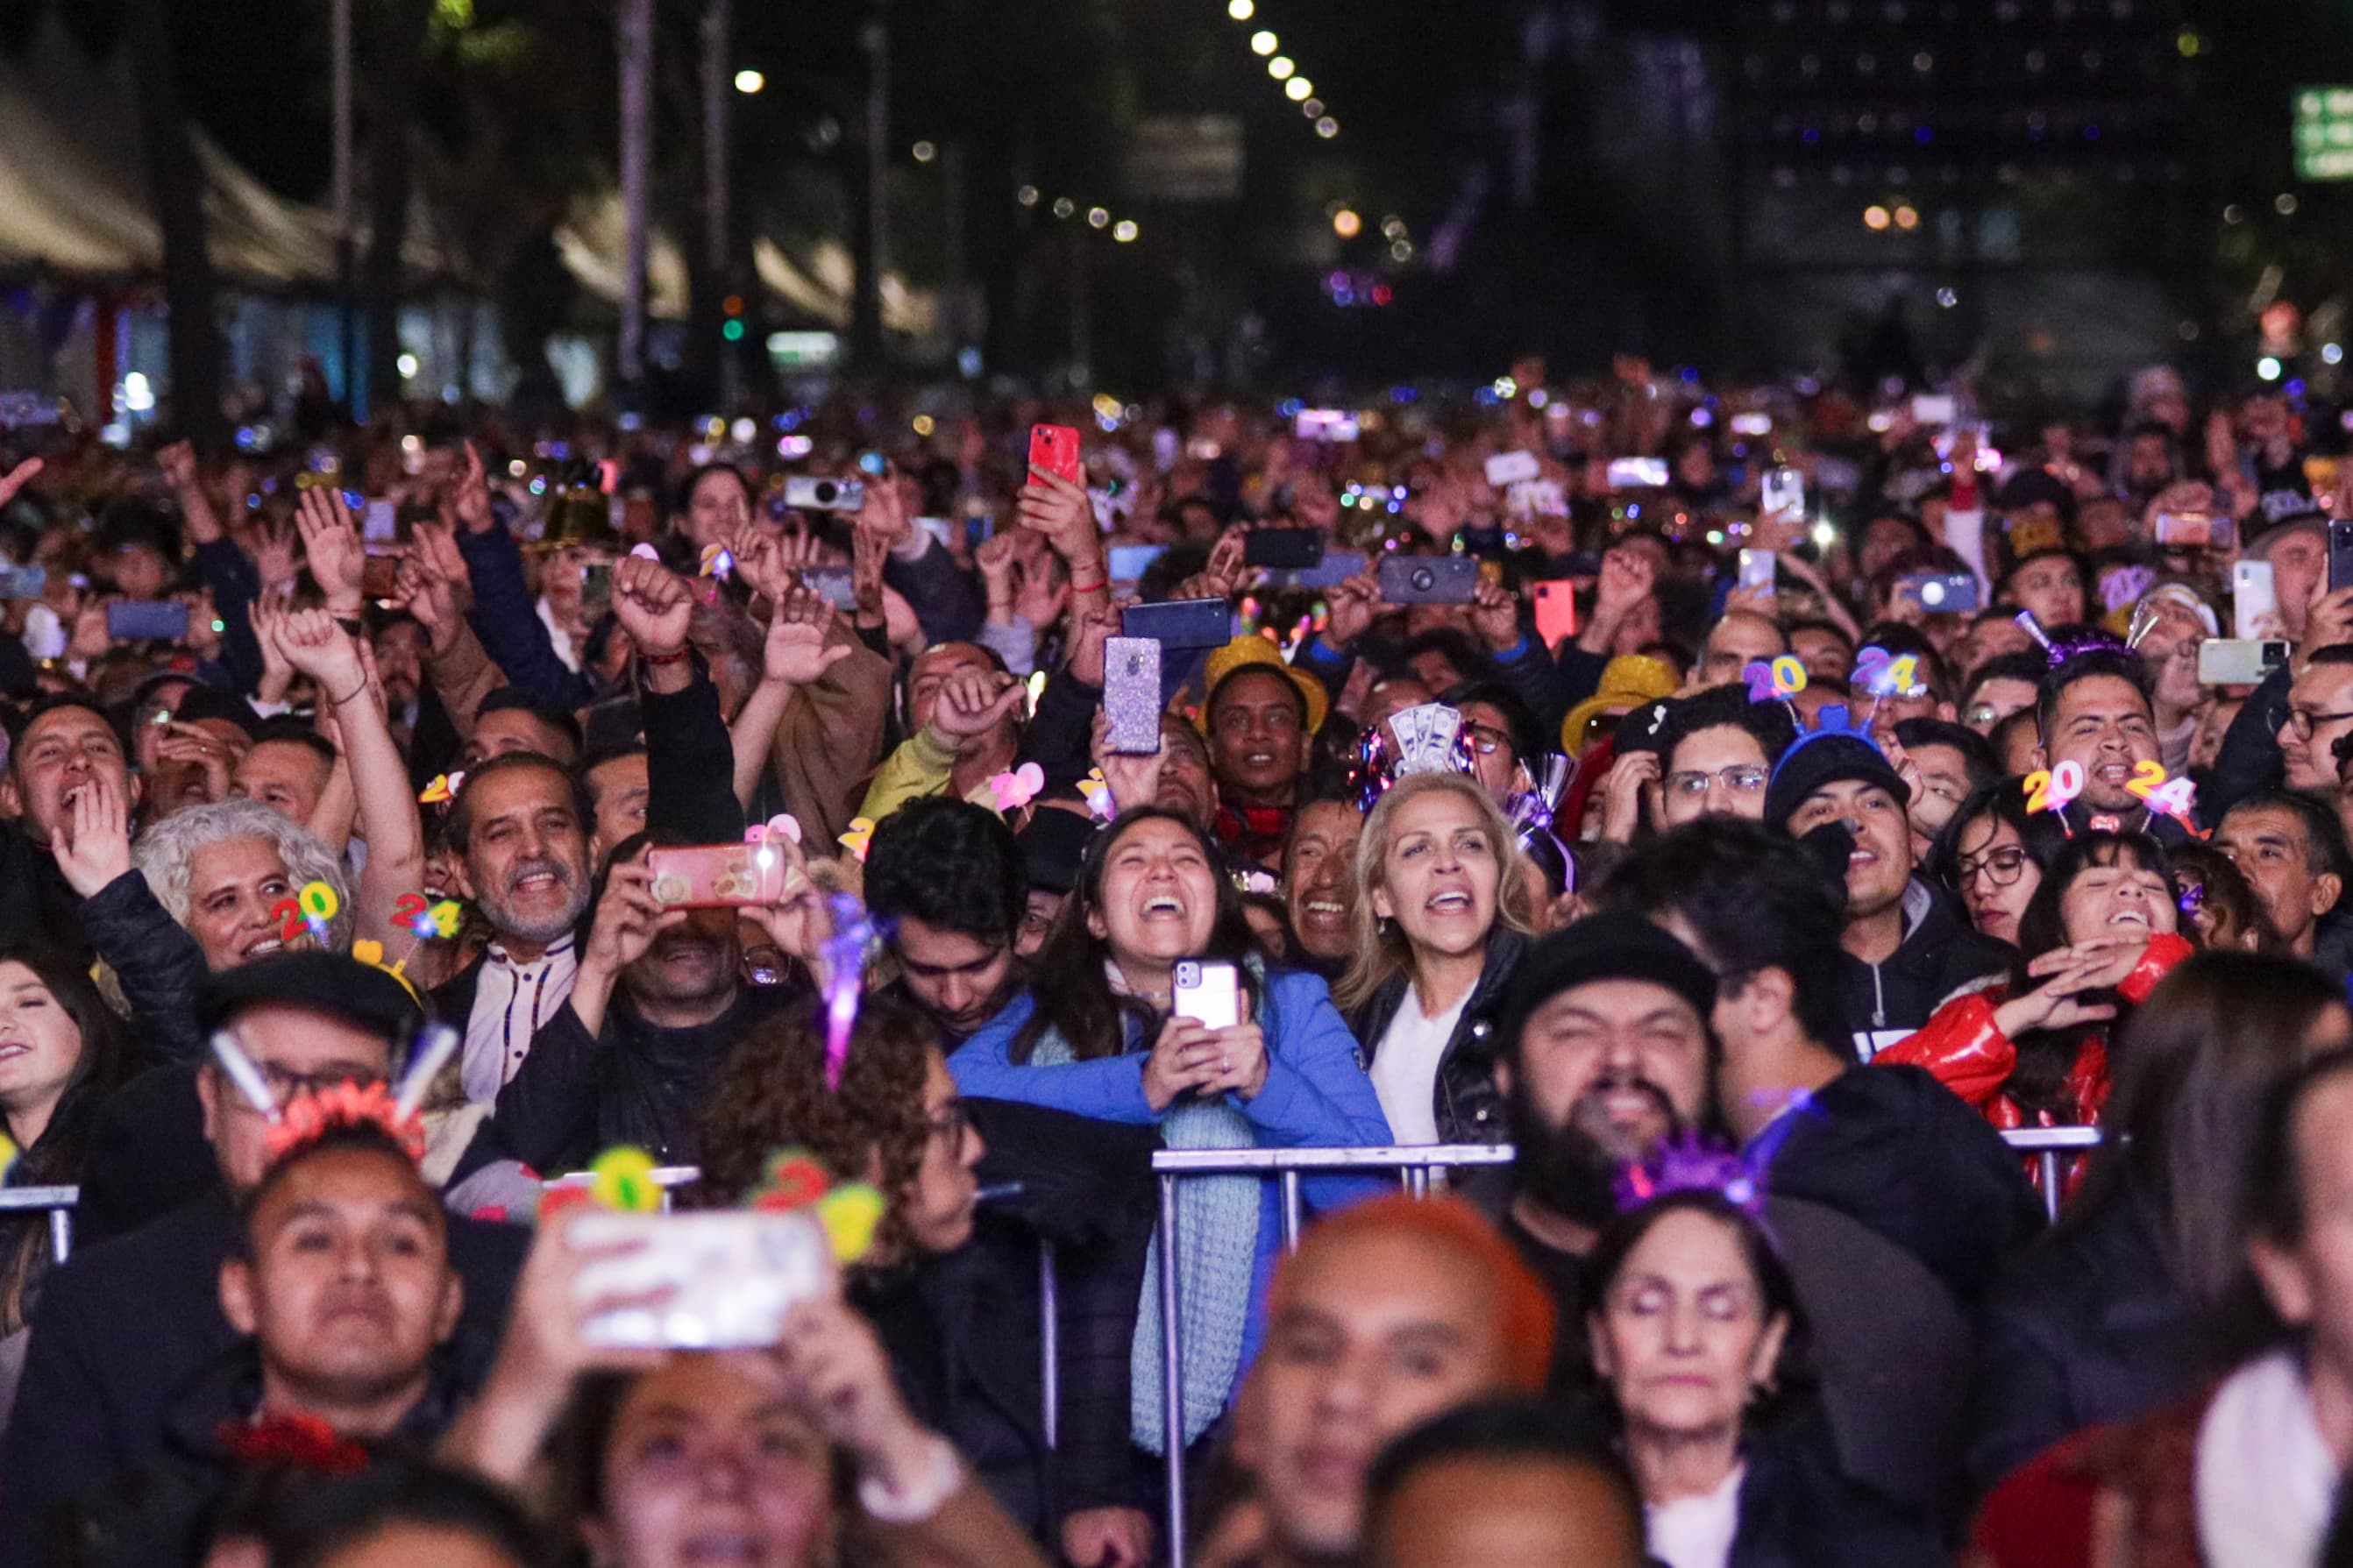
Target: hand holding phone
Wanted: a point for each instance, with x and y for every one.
(1055, 448)
(696, 1281)
(1132, 695)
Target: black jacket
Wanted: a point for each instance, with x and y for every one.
(1940, 955)
(576, 1094)
(964, 1330)
(38, 909)
(1470, 1107)
(2085, 1329)
(148, 1156)
(1895, 1149)
(1797, 1511)
(157, 963)
(2249, 759)
(162, 1511)
(124, 1329)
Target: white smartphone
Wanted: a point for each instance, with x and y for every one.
(1208, 990)
(733, 1276)
(1639, 474)
(1934, 408)
(1756, 569)
(1784, 493)
(1507, 469)
(1752, 424)
(2253, 600)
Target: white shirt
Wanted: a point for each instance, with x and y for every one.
(1697, 1531)
(511, 1002)
(1405, 1067)
(2265, 1480)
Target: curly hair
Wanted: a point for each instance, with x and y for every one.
(771, 1095)
(166, 856)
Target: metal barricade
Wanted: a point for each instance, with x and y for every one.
(59, 1201)
(1413, 1166)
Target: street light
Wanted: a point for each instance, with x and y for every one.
(1262, 43)
(1240, 10)
(1280, 68)
(1298, 89)
(748, 83)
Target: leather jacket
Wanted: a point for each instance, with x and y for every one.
(1470, 1108)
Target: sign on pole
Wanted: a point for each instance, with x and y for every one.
(2324, 132)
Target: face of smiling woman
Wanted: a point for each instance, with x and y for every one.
(1438, 874)
(1159, 901)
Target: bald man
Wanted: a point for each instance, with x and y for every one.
(1733, 643)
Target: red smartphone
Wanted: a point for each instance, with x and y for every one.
(1055, 448)
(1555, 604)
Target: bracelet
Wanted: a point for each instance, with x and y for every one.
(920, 1496)
(339, 701)
(685, 652)
(1079, 587)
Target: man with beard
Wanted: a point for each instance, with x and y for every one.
(1607, 1052)
(630, 1055)
(521, 826)
(948, 877)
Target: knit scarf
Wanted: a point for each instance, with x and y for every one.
(1216, 1225)
(1252, 832)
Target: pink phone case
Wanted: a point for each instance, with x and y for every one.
(717, 876)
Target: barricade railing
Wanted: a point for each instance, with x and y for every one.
(59, 1203)
(1413, 1165)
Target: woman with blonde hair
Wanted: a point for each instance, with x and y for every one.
(1443, 911)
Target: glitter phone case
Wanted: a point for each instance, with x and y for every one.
(1132, 694)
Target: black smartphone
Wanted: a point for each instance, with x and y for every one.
(1290, 548)
(2340, 554)
(1180, 623)
(1428, 579)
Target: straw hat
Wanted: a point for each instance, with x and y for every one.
(1250, 651)
(1627, 681)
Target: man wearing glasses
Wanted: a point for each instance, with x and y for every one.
(1719, 750)
(122, 1326)
(2319, 709)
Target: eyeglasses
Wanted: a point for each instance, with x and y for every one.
(1981, 713)
(2301, 719)
(285, 1085)
(1485, 741)
(2001, 867)
(951, 1124)
(1744, 778)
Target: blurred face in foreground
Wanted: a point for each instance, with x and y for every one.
(1376, 1333)
(1506, 1512)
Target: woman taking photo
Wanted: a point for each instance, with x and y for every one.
(1095, 1033)
(1698, 1340)
(2112, 1314)
(1444, 913)
(1992, 854)
(2102, 930)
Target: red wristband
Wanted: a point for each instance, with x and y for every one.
(646, 658)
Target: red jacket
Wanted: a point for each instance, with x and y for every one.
(1969, 1054)
(2108, 1497)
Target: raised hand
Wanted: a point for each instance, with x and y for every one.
(17, 477)
(332, 545)
(1495, 616)
(1134, 780)
(653, 605)
(1060, 509)
(1094, 627)
(971, 703)
(1223, 574)
(997, 560)
(470, 495)
(178, 463)
(317, 646)
(795, 653)
(95, 847)
(628, 919)
(275, 559)
(269, 612)
(1354, 601)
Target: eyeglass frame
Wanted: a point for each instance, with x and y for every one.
(1764, 776)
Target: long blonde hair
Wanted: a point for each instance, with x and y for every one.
(1378, 947)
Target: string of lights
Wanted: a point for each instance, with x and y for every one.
(1297, 87)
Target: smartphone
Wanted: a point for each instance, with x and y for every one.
(1758, 569)
(2239, 661)
(2253, 600)
(1940, 593)
(1208, 990)
(833, 582)
(1555, 604)
(732, 1276)
(2340, 554)
(1508, 468)
(23, 582)
(1784, 493)
(1934, 408)
(1129, 563)
(30, 410)
(1428, 579)
(1293, 548)
(1131, 696)
(717, 876)
(1326, 424)
(1638, 474)
(805, 493)
(1336, 568)
(596, 586)
(1055, 448)
(2194, 530)
(1752, 424)
(135, 619)
(1180, 623)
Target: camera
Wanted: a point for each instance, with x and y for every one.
(803, 493)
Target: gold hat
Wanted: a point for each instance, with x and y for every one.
(1252, 649)
(1627, 682)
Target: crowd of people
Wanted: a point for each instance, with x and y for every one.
(1741, 805)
